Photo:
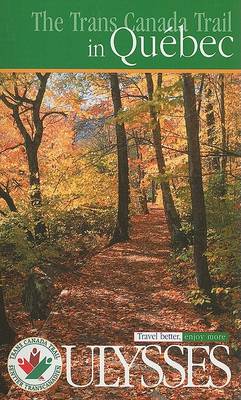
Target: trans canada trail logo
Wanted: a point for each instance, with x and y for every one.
(35, 364)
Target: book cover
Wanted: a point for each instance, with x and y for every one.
(120, 200)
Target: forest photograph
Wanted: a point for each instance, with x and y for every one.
(120, 212)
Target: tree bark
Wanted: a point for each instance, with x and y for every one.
(178, 238)
(224, 158)
(214, 164)
(141, 175)
(7, 334)
(153, 191)
(35, 191)
(121, 232)
(196, 185)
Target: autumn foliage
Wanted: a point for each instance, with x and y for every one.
(85, 159)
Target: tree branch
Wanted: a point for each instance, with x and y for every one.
(136, 96)
(53, 113)
(11, 148)
(38, 123)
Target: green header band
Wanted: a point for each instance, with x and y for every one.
(94, 34)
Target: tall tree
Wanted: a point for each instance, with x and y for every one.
(211, 129)
(121, 232)
(224, 158)
(178, 237)
(26, 106)
(140, 175)
(196, 185)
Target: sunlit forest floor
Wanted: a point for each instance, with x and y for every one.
(124, 289)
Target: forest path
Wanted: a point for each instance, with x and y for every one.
(127, 288)
(124, 289)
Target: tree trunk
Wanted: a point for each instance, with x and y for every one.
(153, 191)
(178, 238)
(121, 232)
(211, 127)
(224, 158)
(141, 175)
(35, 191)
(196, 185)
(7, 334)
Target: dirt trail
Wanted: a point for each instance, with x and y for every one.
(123, 289)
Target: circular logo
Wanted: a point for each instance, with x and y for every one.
(34, 364)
